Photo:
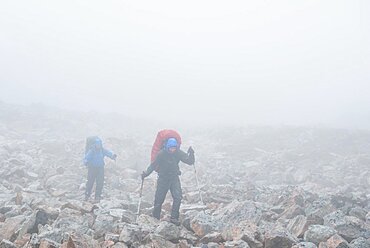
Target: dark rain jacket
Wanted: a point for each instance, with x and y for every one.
(167, 164)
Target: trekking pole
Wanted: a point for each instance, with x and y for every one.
(196, 178)
(141, 194)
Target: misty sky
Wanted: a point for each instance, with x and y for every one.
(259, 62)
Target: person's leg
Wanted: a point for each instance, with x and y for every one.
(99, 182)
(176, 193)
(160, 195)
(90, 181)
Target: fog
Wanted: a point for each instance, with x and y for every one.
(271, 96)
(196, 62)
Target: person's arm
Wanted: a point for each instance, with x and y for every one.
(109, 154)
(187, 158)
(87, 157)
(151, 167)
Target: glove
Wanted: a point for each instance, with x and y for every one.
(144, 175)
(190, 150)
(114, 157)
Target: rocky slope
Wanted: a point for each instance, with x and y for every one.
(262, 186)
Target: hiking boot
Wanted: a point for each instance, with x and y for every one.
(175, 221)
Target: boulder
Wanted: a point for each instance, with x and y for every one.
(335, 241)
(246, 231)
(238, 211)
(157, 241)
(168, 231)
(103, 224)
(119, 245)
(68, 244)
(214, 237)
(212, 245)
(7, 244)
(202, 224)
(360, 243)
(298, 226)
(236, 244)
(148, 222)
(279, 237)
(318, 233)
(9, 228)
(39, 217)
(131, 233)
(349, 227)
(292, 212)
(47, 243)
(82, 206)
(316, 211)
(304, 245)
(359, 213)
(111, 237)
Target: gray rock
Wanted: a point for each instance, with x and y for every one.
(47, 243)
(304, 245)
(157, 241)
(9, 228)
(168, 231)
(188, 217)
(237, 211)
(318, 233)
(119, 245)
(214, 237)
(358, 212)
(147, 222)
(39, 217)
(71, 221)
(112, 237)
(292, 211)
(335, 241)
(202, 224)
(188, 236)
(298, 226)
(360, 243)
(103, 224)
(246, 231)
(82, 206)
(316, 211)
(211, 245)
(7, 244)
(131, 233)
(236, 244)
(279, 237)
(349, 227)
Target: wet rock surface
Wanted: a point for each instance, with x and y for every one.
(262, 187)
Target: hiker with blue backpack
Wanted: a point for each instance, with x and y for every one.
(166, 164)
(94, 160)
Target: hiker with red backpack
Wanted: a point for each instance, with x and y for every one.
(166, 164)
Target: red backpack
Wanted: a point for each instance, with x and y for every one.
(160, 140)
